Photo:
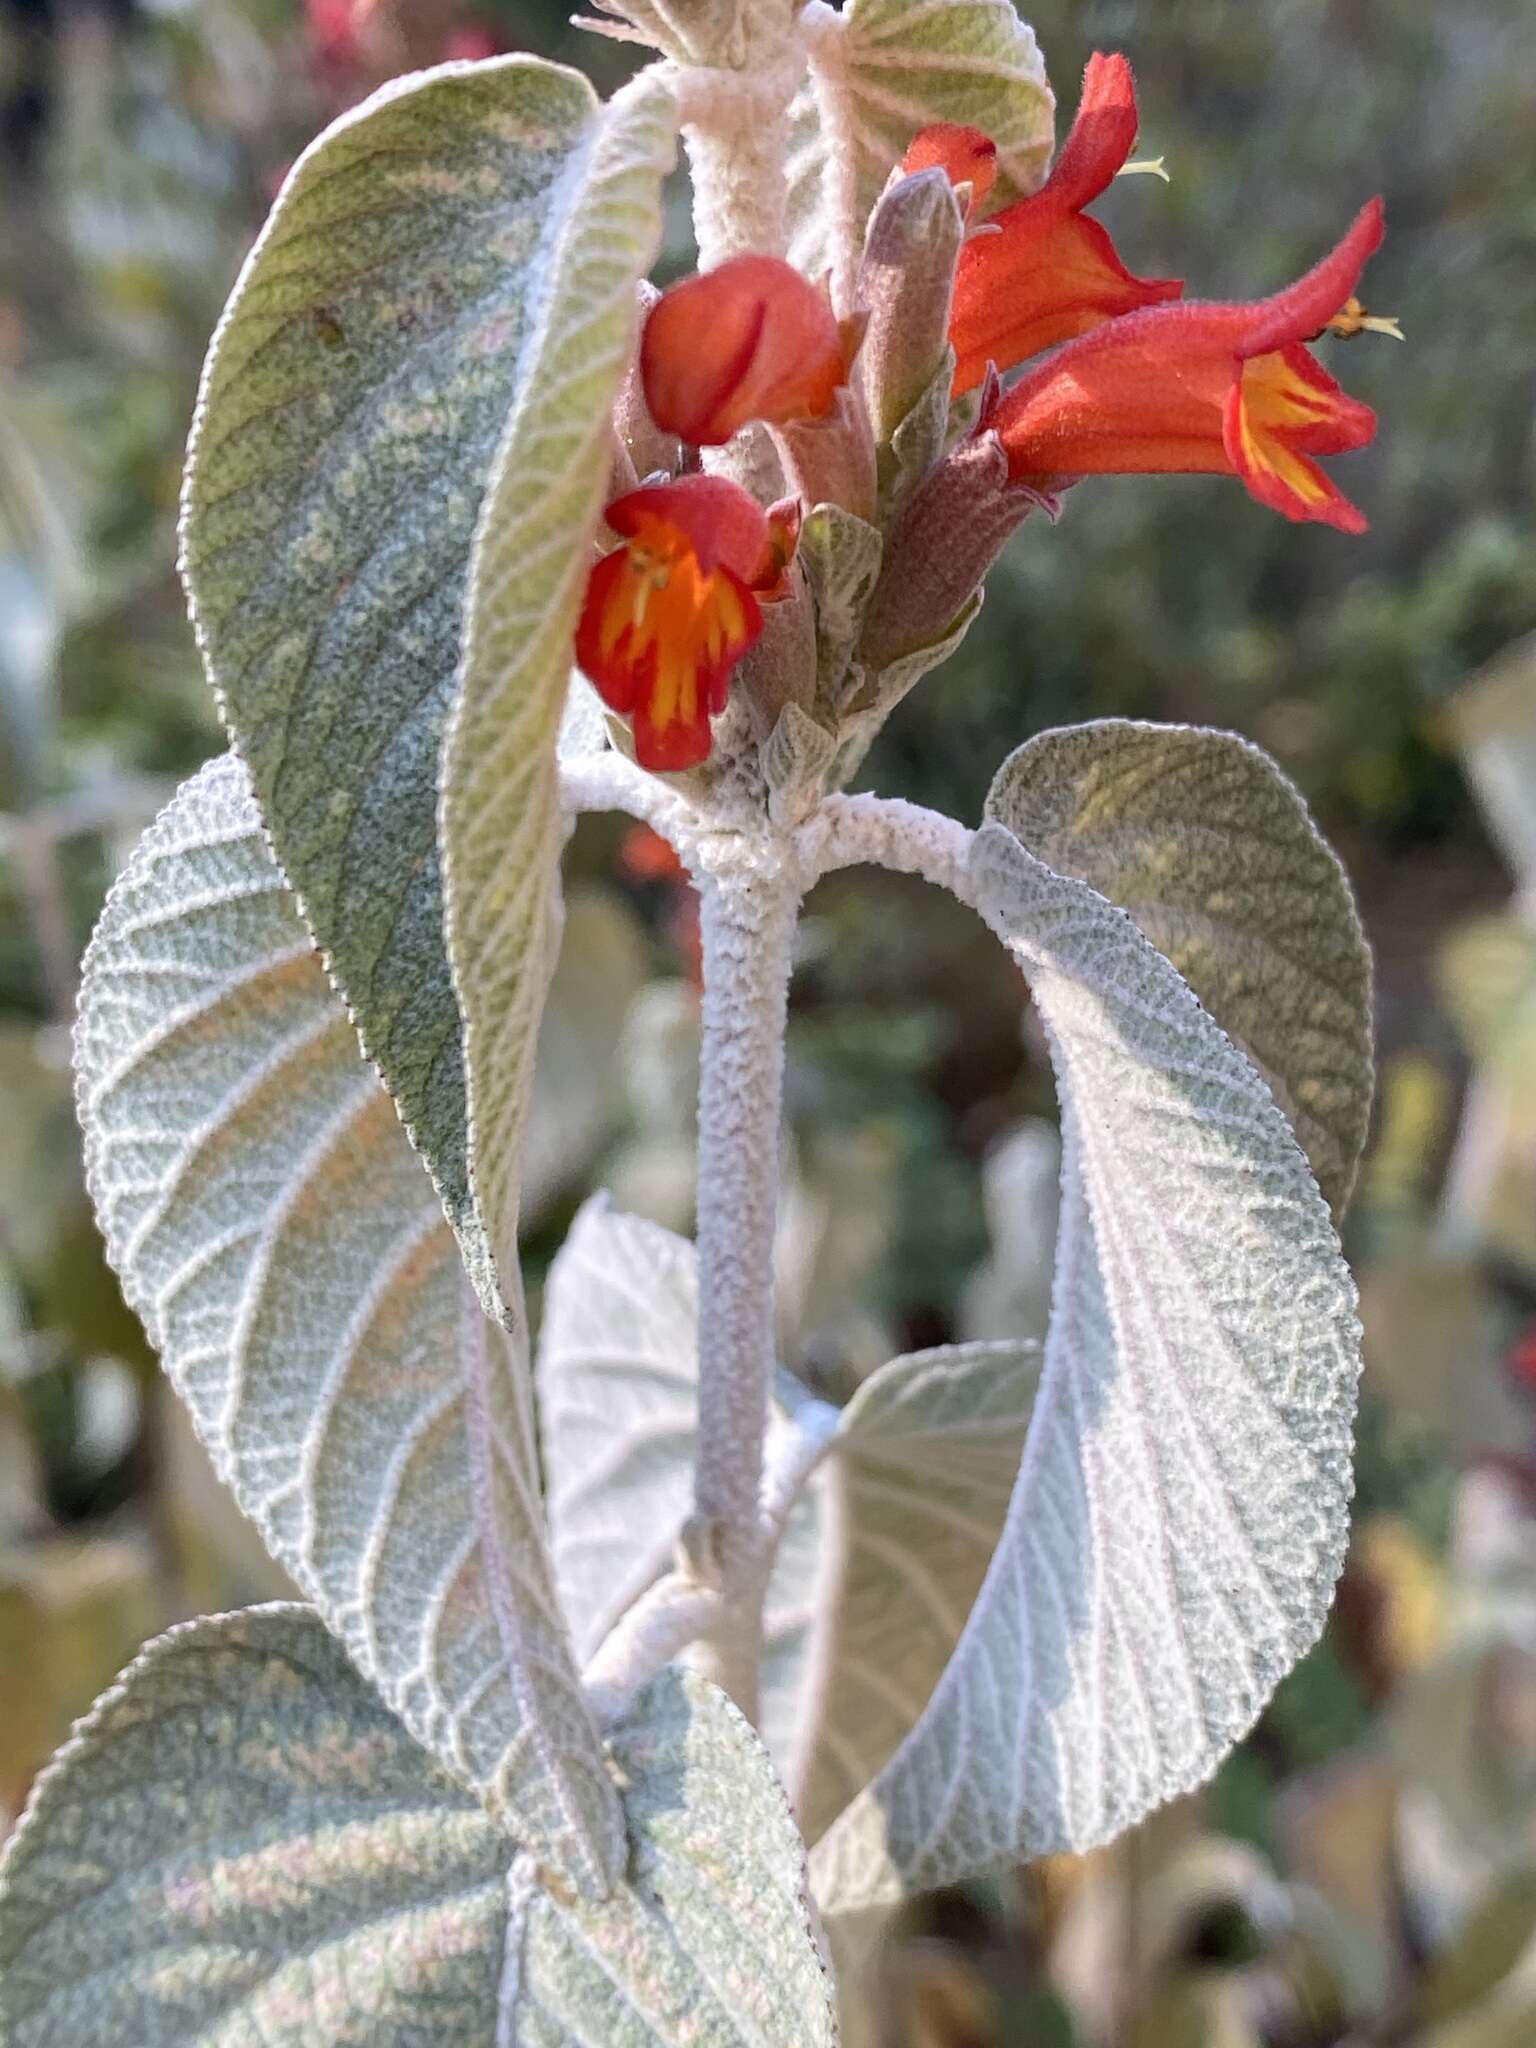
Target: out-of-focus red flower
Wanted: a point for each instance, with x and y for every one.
(966, 155)
(751, 340)
(671, 611)
(1041, 271)
(333, 27)
(1228, 389)
(646, 857)
(1522, 1358)
(472, 44)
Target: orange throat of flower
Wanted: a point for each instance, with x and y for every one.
(1284, 409)
(659, 638)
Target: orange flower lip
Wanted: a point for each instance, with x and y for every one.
(1040, 272)
(1227, 389)
(751, 340)
(670, 612)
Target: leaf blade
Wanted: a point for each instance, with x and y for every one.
(286, 1249)
(499, 813)
(922, 1465)
(1206, 1387)
(1201, 838)
(354, 396)
(283, 1863)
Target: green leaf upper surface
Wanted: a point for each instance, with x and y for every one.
(1207, 845)
(292, 1263)
(499, 817)
(353, 401)
(242, 1844)
(1181, 1511)
(882, 70)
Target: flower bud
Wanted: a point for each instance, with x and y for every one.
(751, 340)
(945, 539)
(905, 283)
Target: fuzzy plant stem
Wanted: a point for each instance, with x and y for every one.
(748, 910)
(735, 121)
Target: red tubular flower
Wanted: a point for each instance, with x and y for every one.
(751, 340)
(670, 613)
(968, 156)
(1229, 389)
(1041, 271)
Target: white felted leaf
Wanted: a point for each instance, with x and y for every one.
(900, 1525)
(288, 1254)
(882, 1554)
(499, 816)
(1181, 1511)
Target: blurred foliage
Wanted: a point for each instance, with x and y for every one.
(1363, 1870)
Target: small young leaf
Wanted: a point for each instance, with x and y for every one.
(1180, 1514)
(841, 558)
(1202, 839)
(293, 1265)
(879, 72)
(241, 1843)
(910, 1502)
(353, 401)
(499, 817)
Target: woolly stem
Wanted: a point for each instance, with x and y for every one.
(667, 1617)
(887, 832)
(736, 133)
(747, 923)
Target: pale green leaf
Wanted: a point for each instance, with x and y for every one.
(883, 1553)
(241, 1844)
(1202, 839)
(500, 819)
(797, 757)
(617, 1371)
(907, 1508)
(292, 1263)
(871, 695)
(354, 397)
(1180, 1515)
(881, 70)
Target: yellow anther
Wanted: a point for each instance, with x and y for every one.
(1352, 318)
(1145, 167)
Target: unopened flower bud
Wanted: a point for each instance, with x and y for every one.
(751, 340)
(945, 539)
(905, 283)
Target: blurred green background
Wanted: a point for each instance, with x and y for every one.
(1363, 1871)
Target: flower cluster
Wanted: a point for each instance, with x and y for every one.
(1120, 375)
